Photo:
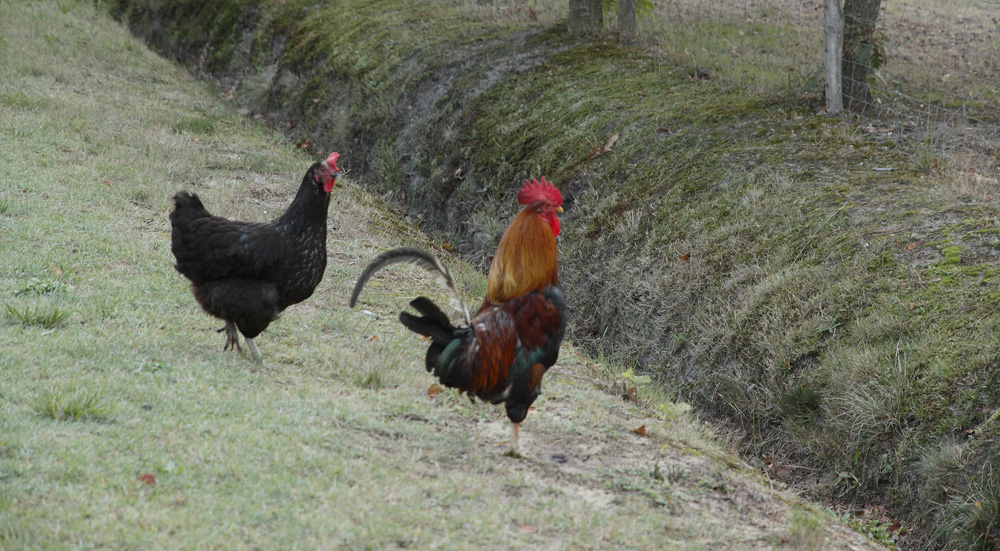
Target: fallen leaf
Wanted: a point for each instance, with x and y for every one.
(611, 142)
(434, 389)
(148, 479)
(911, 246)
(912, 305)
(782, 471)
(447, 246)
(641, 431)
(525, 529)
(594, 151)
(685, 257)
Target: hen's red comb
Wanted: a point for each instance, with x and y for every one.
(534, 190)
(331, 161)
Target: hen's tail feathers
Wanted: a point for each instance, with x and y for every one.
(421, 258)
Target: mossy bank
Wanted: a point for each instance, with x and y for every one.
(826, 287)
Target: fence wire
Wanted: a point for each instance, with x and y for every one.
(936, 63)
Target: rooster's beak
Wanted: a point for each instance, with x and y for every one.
(559, 209)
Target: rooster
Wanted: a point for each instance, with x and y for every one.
(502, 352)
(247, 273)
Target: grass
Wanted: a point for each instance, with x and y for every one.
(78, 405)
(37, 286)
(927, 155)
(339, 446)
(823, 287)
(806, 530)
(47, 316)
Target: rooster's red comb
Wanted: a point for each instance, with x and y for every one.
(534, 190)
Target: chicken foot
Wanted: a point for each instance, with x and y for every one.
(232, 337)
(233, 341)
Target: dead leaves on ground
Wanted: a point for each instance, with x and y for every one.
(630, 392)
(781, 472)
(597, 149)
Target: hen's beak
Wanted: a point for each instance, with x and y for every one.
(559, 209)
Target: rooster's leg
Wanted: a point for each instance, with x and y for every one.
(516, 440)
(232, 337)
(253, 350)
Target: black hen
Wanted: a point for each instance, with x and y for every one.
(247, 273)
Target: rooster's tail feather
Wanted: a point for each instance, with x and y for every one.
(421, 258)
(424, 306)
(428, 326)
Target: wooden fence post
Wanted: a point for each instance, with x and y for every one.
(833, 45)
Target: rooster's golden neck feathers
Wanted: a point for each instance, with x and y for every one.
(526, 259)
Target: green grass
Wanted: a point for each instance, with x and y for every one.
(78, 405)
(337, 444)
(47, 316)
(37, 286)
(827, 289)
(195, 125)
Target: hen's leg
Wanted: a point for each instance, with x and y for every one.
(232, 337)
(253, 350)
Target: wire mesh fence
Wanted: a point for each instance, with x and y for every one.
(930, 62)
